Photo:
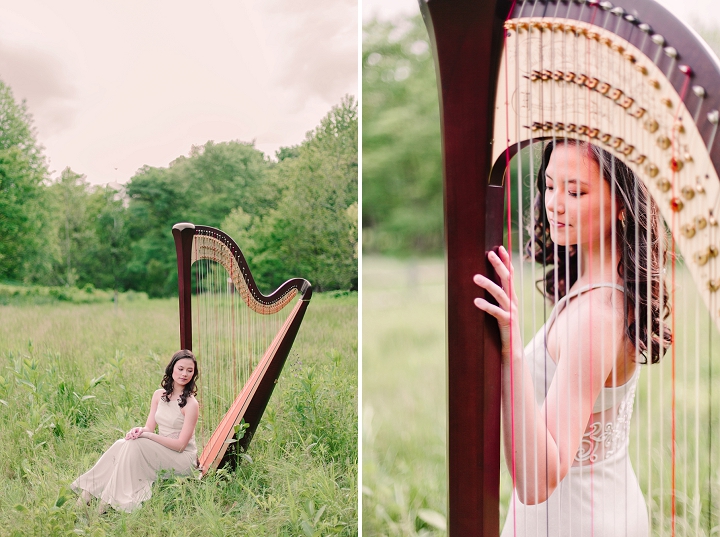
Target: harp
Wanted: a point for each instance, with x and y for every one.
(240, 336)
(625, 76)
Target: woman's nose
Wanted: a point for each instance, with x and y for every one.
(554, 203)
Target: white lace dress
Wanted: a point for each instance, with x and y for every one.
(600, 495)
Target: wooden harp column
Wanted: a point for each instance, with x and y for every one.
(666, 93)
(466, 37)
(194, 243)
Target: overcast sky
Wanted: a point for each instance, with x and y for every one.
(115, 85)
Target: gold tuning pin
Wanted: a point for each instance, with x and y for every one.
(713, 285)
(703, 256)
(688, 231)
(663, 184)
(663, 142)
(651, 125)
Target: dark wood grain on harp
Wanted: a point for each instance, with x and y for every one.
(241, 336)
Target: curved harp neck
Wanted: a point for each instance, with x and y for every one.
(193, 243)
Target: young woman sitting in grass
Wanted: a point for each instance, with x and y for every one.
(123, 476)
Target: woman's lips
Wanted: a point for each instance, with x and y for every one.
(556, 224)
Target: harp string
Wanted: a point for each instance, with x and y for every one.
(229, 341)
(519, 258)
(660, 396)
(510, 290)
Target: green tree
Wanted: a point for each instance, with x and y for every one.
(313, 231)
(402, 174)
(22, 214)
(202, 188)
(104, 258)
(68, 201)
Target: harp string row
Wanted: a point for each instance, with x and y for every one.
(230, 338)
(663, 503)
(212, 248)
(665, 131)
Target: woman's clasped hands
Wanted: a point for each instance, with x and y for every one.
(134, 433)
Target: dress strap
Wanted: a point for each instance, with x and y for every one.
(584, 289)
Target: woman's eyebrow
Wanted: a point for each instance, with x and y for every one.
(576, 181)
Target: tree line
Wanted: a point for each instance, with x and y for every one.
(293, 216)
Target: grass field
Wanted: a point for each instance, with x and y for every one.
(404, 406)
(75, 377)
(403, 430)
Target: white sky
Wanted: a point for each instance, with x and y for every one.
(707, 11)
(114, 85)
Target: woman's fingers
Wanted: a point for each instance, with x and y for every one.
(499, 313)
(494, 289)
(505, 256)
(500, 268)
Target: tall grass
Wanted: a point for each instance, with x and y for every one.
(404, 406)
(74, 378)
(403, 431)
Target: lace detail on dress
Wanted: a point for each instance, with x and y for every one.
(602, 440)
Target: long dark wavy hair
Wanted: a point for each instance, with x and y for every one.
(640, 237)
(167, 381)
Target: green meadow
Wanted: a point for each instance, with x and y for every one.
(404, 405)
(74, 377)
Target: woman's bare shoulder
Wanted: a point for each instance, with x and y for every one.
(601, 300)
(157, 394)
(191, 401)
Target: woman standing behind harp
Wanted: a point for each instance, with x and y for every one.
(567, 398)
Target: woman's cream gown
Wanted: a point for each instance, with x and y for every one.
(600, 495)
(125, 473)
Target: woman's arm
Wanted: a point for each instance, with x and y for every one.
(179, 444)
(546, 439)
(150, 424)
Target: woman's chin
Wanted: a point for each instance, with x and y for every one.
(558, 238)
(561, 238)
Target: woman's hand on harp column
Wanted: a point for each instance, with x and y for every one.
(506, 312)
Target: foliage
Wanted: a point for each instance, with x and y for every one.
(202, 188)
(402, 174)
(310, 232)
(293, 217)
(22, 171)
(38, 294)
(73, 378)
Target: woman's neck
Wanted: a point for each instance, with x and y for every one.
(598, 266)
